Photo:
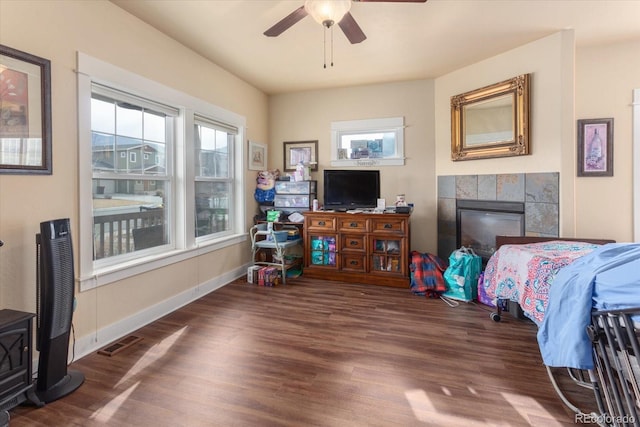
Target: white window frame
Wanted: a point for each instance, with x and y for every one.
(384, 125)
(636, 165)
(213, 124)
(168, 177)
(91, 70)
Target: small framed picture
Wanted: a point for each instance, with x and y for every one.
(595, 147)
(257, 156)
(300, 151)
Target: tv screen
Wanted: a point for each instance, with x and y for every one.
(351, 189)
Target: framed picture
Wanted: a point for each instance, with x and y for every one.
(257, 156)
(300, 151)
(25, 113)
(595, 147)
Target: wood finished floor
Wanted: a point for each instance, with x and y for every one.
(316, 353)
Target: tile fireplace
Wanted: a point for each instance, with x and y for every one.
(537, 193)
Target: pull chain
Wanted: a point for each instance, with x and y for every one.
(332, 45)
(324, 52)
(327, 25)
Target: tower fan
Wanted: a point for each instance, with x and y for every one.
(55, 297)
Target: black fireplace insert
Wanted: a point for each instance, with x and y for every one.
(478, 222)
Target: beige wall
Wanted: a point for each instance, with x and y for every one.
(542, 59)
(56, 31)
(550, 63)
(305, 116)
(605, 78)
(560, 75)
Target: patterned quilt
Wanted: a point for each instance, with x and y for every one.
(524, 273)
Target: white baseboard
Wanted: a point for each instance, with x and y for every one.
(93, 342)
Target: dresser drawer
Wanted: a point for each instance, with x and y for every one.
(352, 242)
(295, 187)
(352, 224)
(321, 223)
(302, 201)
(353, 262)
(388, 225)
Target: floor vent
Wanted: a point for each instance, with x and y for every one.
(120, 345)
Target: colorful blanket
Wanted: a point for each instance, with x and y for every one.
(523, 273)
(426, 274)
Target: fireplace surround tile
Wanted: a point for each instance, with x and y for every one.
(446, 225)
(542, 187)
(487, 187)
(510, 187)
(447, 187)
(467, 187)
(539, 191)
(541, 219)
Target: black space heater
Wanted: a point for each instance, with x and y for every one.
(55, 300)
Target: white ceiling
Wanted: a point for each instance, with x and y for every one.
(405, 41)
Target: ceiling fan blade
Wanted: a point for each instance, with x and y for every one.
(351, 29)
(286, 22)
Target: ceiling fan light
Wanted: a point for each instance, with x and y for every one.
(327, 12)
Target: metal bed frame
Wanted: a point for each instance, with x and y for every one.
(616, 355)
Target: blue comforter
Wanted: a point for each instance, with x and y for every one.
(606, 279)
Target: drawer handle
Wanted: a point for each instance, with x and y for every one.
(388, 226)
(354, 262)
(321, 223)
(353, 224)
(353, 242)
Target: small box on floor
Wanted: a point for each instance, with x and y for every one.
(268, 276)
(252, 274)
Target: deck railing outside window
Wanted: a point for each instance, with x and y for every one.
(113, 234)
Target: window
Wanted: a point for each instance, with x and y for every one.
(130, 199)
(151, 160)
(375, 142)
(214, 179)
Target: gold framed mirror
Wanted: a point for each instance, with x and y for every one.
(492, 121)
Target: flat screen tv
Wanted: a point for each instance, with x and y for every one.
(351, 189)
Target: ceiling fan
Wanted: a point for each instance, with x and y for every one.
(327, 13)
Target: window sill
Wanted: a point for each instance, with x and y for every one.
(368, 162)
(111, 274)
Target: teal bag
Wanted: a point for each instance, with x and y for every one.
(462, 275)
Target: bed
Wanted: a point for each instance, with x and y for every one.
(522, 269)
(584, 296)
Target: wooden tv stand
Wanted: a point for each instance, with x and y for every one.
(357, 247)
